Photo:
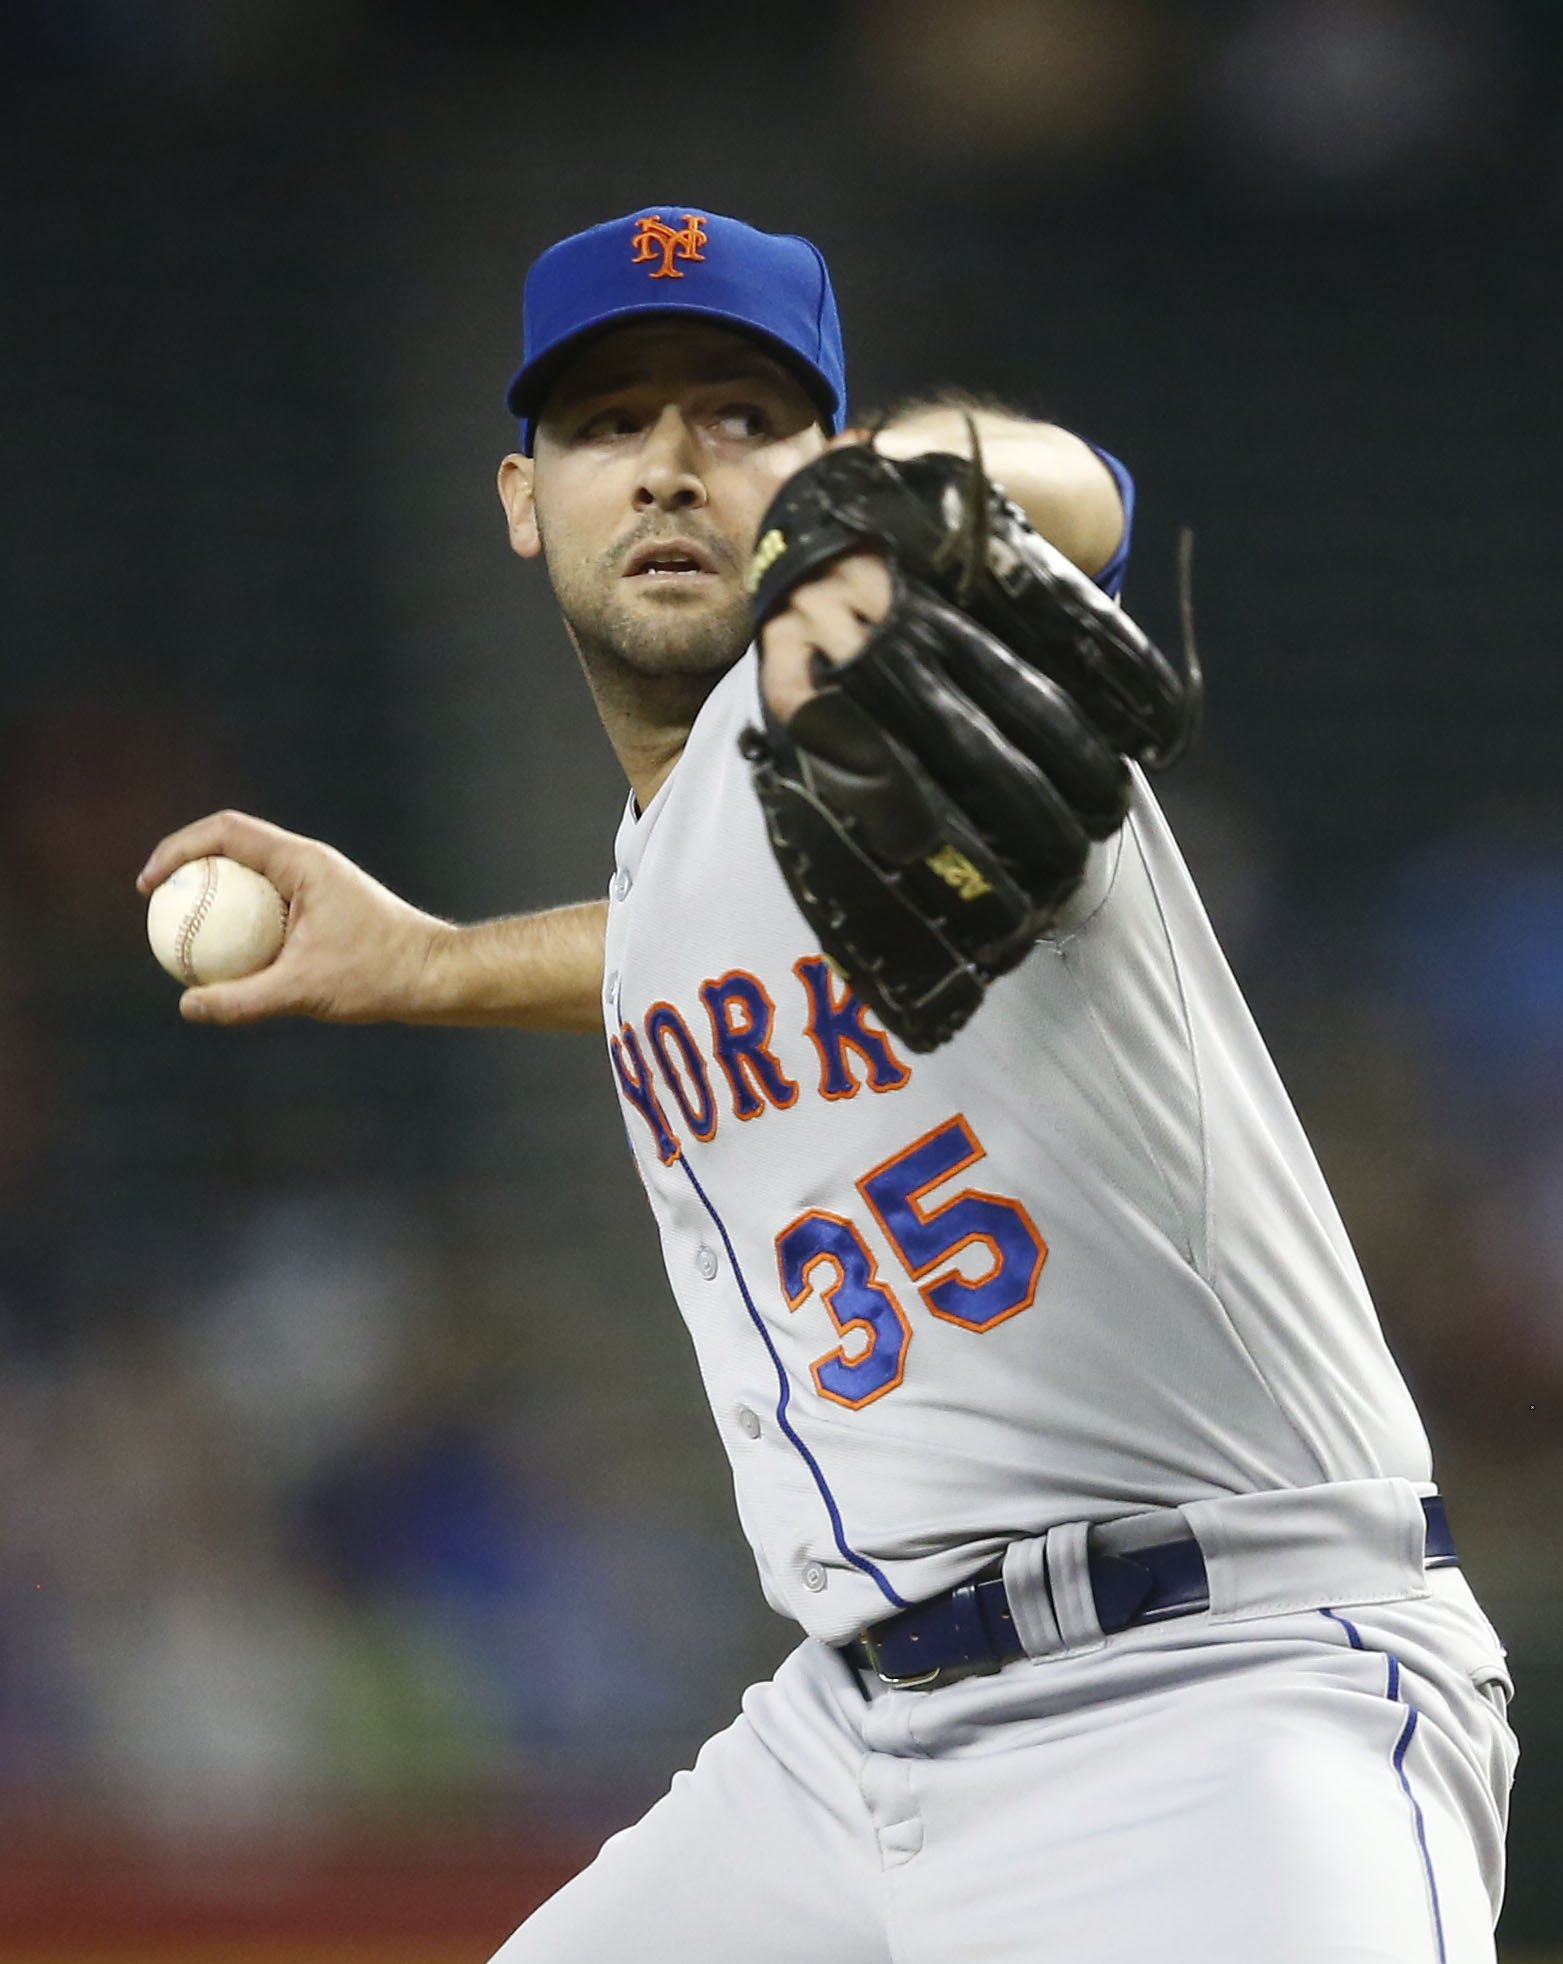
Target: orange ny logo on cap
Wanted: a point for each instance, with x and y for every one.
(652, 237)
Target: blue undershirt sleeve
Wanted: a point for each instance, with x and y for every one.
(1110, 578)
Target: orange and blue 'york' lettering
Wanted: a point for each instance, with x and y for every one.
(665, 1028)
(835, 1025)
(741, 1016)
(635, 1082)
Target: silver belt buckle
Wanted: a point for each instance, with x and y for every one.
(920, 1683)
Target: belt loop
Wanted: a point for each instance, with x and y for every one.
(1069, 1581)
(1030, 1606)
(1299, 1548)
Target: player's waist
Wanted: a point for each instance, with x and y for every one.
(1241, 1556)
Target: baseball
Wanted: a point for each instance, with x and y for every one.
(214, 920)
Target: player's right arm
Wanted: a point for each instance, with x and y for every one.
(355, 953)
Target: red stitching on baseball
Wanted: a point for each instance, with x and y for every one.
(190, 926)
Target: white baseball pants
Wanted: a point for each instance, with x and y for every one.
(1309, 1788)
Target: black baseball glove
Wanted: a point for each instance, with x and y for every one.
(933, 805)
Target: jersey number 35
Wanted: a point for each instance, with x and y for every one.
(825, 1255)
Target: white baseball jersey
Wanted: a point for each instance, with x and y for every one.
(1077, 1263)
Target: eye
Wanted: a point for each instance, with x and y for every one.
(740, 420)
(607, 423)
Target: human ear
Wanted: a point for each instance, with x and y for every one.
(516, 495)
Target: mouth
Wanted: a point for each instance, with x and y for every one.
(665, 561)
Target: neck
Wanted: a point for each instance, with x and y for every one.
(647, 718)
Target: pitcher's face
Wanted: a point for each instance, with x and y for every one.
(657, 452)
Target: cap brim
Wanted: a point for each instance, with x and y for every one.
(530, 384)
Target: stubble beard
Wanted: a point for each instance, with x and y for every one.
(632, 636)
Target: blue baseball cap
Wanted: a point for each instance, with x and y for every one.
(666, 260)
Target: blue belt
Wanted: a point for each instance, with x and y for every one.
(969, 1631)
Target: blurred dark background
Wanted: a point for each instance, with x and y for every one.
(355, 1483)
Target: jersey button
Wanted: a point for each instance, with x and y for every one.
(748, 1423)
(706, 1262)
(814, 1577)
(621, 886)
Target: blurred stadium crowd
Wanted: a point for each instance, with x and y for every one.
(352, 1463)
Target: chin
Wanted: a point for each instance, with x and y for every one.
(705, 655)
(683, 634)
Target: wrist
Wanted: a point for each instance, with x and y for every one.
(526, 971)
(442, 975)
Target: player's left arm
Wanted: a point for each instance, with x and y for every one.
(1060, 483)
(952, 701)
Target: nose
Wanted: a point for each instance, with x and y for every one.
(669, 478)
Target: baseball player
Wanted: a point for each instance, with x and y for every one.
(1057, 1411)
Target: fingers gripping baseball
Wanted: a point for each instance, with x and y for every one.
(353, 952)
(277, 854)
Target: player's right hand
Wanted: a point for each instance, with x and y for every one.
(354, 952)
